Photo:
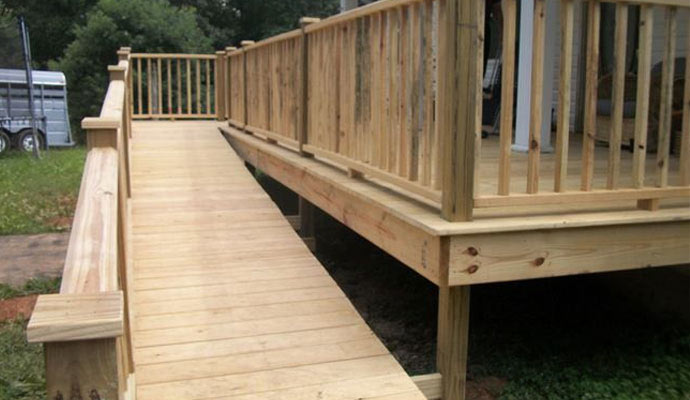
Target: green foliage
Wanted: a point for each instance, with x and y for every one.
(228, 22)
(39, 195)
(50, 24)
(146, 25)
(32, 286)
(11, 48)
(22, 375)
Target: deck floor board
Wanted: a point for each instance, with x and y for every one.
(229, 302)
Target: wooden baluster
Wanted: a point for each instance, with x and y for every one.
(148, 85)
(169, 73)
(179, 86)
(685, 133)
(159, 85)
(566, 69)
(617, 96)
(429, 126)
(642, 101)
(198, 86)
(189, 85)
(537, 92)
(591, 86)
(507, 94)
(666, 106)
(139, 96)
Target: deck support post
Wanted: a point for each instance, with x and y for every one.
(306, 223)
(304, 103)
(451, 354)
(459, 107)
(82, 369)
(219, 75)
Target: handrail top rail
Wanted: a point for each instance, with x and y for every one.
(174, 55)
(101, 123)
(359, 12)
(295, 33)
(68, 317)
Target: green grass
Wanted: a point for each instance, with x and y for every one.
(22, 369)
(38, 196)
(32, 286)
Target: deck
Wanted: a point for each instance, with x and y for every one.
(184, 281)
(230, 303)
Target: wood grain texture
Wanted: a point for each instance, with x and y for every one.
(548, 253)
(617, 96)
(91, 262)
(237, 306)
(70, 317)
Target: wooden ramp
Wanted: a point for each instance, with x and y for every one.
(229, 302)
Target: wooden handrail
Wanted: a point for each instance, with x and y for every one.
(85, 328)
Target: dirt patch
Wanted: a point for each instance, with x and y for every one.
(18, 307)
(29, 256)
(485, 388)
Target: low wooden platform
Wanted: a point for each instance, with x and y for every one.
(229, 302)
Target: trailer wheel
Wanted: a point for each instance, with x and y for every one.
(25, 141)
(4, 142)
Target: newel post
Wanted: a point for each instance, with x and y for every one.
(460, 70)
(219, 75)
(228, 82)
(304, 103)
(245, 81)
(459, 107)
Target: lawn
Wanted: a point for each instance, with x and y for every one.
(22, 370)
(39, 196)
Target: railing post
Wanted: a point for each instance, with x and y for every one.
(228, 82)
(304, 102)
(244, 44)
(459, 74)
(459, 113)
(219, 76)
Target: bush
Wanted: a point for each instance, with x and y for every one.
(145, 25)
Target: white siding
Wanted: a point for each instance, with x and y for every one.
(660, 33)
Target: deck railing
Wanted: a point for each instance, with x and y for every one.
(86, 327)
(393, 91)
(618, 180)
(179, 86)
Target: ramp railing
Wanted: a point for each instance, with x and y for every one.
(176, 86)
(394, 91)
(86, 328)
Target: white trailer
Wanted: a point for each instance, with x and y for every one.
(50, 106)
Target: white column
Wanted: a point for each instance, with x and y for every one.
(347, 5)
(524, 76)
(523, 113)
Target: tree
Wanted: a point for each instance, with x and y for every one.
(152, 26)
(50, 24)
(11, 48)
(228, 22)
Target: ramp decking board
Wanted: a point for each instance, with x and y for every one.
(229, 302)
